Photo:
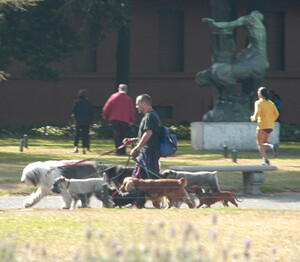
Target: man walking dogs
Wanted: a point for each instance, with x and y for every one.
(119, 110)
(148, 140)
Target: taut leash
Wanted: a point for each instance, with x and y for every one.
(99, 155)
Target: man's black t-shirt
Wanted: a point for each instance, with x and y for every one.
(150, 122)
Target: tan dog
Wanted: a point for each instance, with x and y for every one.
(211, 198)
(157, 189)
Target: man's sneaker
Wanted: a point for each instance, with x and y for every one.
(266, 162)
(275, 150)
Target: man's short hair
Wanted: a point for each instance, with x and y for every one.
(123, 87)
(145, 98)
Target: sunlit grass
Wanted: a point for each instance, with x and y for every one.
(149, 235)
(119, 233)
(285, 179)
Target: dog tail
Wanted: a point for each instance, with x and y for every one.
(238, 199)
(182, 181)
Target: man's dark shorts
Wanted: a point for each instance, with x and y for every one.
(151, 161)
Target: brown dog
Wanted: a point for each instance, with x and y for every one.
(157, 189)
(211, 198)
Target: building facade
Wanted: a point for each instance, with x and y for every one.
(169, 45)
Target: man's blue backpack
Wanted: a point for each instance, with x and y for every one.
(168, 142)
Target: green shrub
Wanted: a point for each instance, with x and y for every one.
(100, 130)
(289, 132)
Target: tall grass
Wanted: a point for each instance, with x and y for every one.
(150, 235)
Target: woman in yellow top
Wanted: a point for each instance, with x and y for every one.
(265, 113)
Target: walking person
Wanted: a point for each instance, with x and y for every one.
(83, 114)
(275, 98)
(265, 113)
(148, 140)
(119, 110)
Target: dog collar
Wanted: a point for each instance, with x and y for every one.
(202, 193)
(114, 193)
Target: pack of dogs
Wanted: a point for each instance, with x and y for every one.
(77, 181)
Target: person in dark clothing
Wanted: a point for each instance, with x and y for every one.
(148, 141)
(275, 98)
(83, 114)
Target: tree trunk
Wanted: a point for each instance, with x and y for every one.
(123, 50)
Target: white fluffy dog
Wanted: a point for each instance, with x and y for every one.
(81, 189)
(42, 175)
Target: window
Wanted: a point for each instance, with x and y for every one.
(85, 61)
(171, 48)
(275, 40)
(164, 112)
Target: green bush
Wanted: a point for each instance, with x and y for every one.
(100, 130)
(289, 132)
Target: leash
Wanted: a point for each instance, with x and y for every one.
(99, 155)
(87, 159)
(147, 169)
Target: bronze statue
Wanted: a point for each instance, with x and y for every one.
(249, 67)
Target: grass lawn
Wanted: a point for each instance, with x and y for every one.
(12, 162)
(219, 234)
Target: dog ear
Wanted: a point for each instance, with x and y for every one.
(183, 181)
(129, 185)
(62, 181)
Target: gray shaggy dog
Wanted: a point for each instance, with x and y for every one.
(208, 179)
(42, 175)
(81, 189)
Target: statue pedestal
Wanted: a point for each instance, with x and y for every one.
(237, 135)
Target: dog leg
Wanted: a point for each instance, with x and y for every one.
(176, 203)
(74, 203)
(84, 202)
(187, 200)
(66, 198)
(156, 203)
(201, 204)
(233, 202)
(35, 198)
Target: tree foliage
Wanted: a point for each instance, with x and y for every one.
(42, 33)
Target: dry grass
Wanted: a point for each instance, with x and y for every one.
(274, 235)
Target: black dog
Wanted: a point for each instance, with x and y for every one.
(135, 197)
(115, 174)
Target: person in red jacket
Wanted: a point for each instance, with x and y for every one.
(119, 110)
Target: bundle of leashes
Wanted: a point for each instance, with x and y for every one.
(147, 169)
(111, 151)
